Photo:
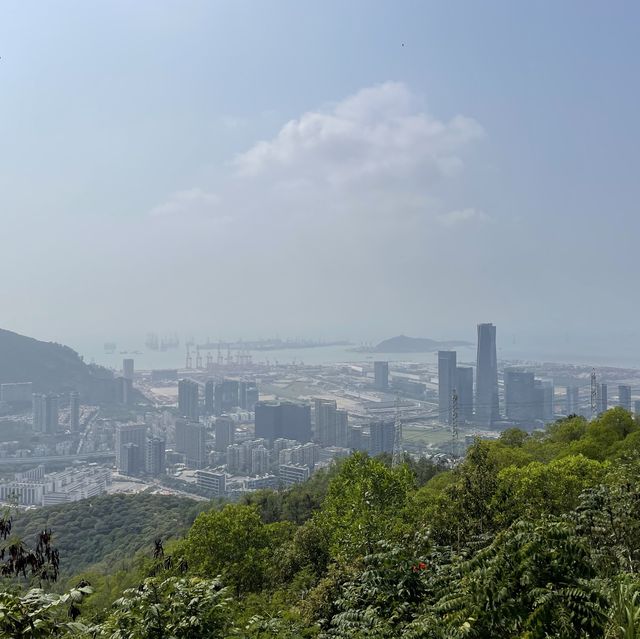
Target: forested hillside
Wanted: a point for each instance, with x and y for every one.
(108, 529)
(529, 537)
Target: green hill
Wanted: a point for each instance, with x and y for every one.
(108, 529)
(52, 367)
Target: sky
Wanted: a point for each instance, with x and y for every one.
(339, 170)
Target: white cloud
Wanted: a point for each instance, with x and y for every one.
(463, 216)
(191, 202)
(377, 138)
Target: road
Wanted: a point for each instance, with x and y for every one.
(34, 461)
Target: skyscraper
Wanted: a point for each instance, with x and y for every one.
(325, 420)
(464, 387)
(624, 397)
(133, 460)
(446, 384)
(381, 375)
(226, 395)
(603, 401)
(127, 369)
(283, 419)
(188, 399)
(225, 430)
(487, 403)
(382, 434)
(155, 462)
(573, 400)
(520, 396)
(50, 413)
(208, 397)
(74, 411)
(247, 395)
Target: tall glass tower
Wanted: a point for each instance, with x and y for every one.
(487, 406)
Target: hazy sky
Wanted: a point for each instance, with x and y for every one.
(336, 169)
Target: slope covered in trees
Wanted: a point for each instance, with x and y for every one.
(108, 529)
(50, 366)
(530, 536)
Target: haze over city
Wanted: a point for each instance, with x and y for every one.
(338, 171)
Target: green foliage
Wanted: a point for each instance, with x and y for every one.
(170, 608)
(363, 501)
(39, 615)
(235, 543)
(534, 580)
(108, 529)
(531, 536)
(554, 488)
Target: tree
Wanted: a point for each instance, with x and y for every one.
(363, 502)
(169, 608)
(537, 489)
(234, 543)
(535, 580)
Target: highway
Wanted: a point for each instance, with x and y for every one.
(34, 461)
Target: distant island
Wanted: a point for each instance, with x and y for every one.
(404, 344)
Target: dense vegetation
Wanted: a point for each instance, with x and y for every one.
(530, 536)
(108, 529)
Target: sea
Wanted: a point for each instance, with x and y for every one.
(145, 359)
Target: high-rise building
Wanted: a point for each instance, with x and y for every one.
(573, 400)
(124, 390)
(191, 440)
(235, 458)
(226, 395)
(382, 434)
(295, 421)
(50, 413)
(636, 407)
(544, 394)
(487, 409)
(74, 411)
(134, 458)
(247, 395)
(446, 384)
(355, 438)
(155, 462)
(520, 395)
(225, 431)
(131, 459)
(283, 419)
(188, 399)
(325, 421)
(208, 397)
(127, 368)
(381, 375)
(464, 388)
(37, 407)
(259, 461)
(624, 397)
(603, 401)
(342, 429)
